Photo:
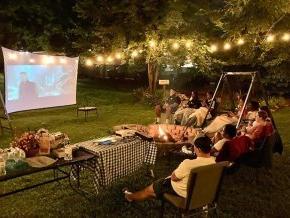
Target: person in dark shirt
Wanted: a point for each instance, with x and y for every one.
(194, 101)
(170, 106)
(192, 104)
(27, 89)
(210, 100)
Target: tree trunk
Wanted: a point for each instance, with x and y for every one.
(153, 74)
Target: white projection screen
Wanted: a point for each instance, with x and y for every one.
(35, 81)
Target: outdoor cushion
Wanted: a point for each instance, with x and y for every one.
(177, 201)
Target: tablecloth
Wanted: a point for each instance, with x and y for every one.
(118, 159)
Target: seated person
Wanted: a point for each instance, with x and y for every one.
(260, 129)
(228, 133)
(234, 149)
(204, 104)
(170, 106)
(192, 104)
(253, 110)
(196, 118)
(229, 118)
(209, 100)
(177, 182)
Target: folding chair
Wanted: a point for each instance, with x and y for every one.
(202, 191)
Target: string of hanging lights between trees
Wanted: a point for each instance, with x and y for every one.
(153, 44)
(213, 48)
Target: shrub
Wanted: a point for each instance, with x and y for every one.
(275, 102)
(144, 96)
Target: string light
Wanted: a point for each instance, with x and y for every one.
(188, 44)
(110, 59)
(100, 58)
(241, 41)
(286, 37)
(31, 60)
(89, 62)
(175, 45)
(134, 54)
(152, 43)
(118, 55)
(213, 48)
(12, 56)
(270, 38)
(227, 46)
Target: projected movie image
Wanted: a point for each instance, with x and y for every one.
(47, 82)
(27, 82)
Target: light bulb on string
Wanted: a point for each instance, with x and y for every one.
(31, 60)
(286, 37)
(100, 58)
(152, 43)
(240, 41)
(89, 62)
(118, 55)
(188, 44)
(175, 45)
(270, 38)
(213, 48)
(110, 59)
(227, 46)
(134, 54)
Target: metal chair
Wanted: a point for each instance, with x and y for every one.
(202, 191)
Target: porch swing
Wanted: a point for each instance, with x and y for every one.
(262, 156)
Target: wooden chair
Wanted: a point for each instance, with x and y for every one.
(202, 192)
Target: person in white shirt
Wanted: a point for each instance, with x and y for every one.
(228, 133)
(177, 182)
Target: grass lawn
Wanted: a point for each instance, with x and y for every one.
(248, 193)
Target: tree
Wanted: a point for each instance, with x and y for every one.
(36, 25)
(254, 21)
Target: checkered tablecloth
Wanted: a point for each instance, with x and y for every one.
(119, 159)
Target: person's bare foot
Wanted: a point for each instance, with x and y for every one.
(127, 194)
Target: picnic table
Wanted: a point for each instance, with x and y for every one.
(116, 160)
